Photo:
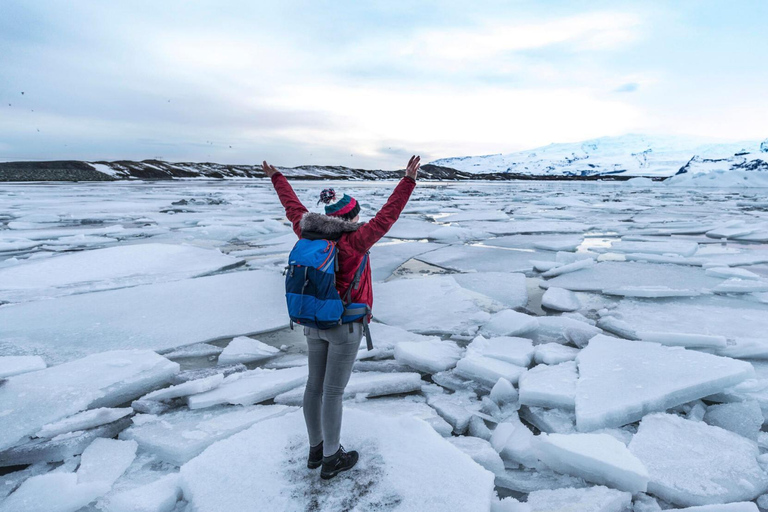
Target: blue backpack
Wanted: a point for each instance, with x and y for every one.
(310, 288)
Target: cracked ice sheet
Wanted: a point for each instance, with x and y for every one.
(102, 269)
(387, 257)
(617, 275)
(31, 400)
(157, 316)
(461, 310)
(743, 322)
(541, 242)
(478, 258)
(401, 458)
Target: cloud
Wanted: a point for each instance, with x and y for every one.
(628, 87)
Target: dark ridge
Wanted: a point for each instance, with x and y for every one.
(72, 170)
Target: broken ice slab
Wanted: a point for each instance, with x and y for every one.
(518, 351)
(738, 285)
(569, 267)
(251, 387)
(728, 272)
(691, 463)
(554, 353)
(597, 458)
(530, 480)
(430, 356)
(366, 383)
(678, 247)
(743, 418)
(158, 496)
(481, 452)
(84, 420)
(506, 288)
(60, 447)
(179, 436)
(549, 386)
(189, 351)
(460, 310)
(53, 492)
(31, 400)
(112, 267)
(155, 316)
(510, 323)
(387, 337)
(560, 299)
(651, 292)
(266, 464)
(457, 409)
(15, 365)
(105, 460)
(487, 370)
(246, 350)
(552, 421)
(202, 373)
(515, 442)
(620, 381)
(673, 339)
(742, 506)
(617, 275)
(542, 242)
(478, 258)
(563, 329)
(191, 387)
(414, 406)
(710, 316)
(589, 499)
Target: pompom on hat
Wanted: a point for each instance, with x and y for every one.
(345, 206)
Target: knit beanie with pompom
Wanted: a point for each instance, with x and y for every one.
(345, 206)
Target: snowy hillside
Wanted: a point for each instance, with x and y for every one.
(629, 155)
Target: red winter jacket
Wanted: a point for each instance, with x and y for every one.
(356, 239)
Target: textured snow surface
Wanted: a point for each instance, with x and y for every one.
(692, 463)
(550, 386)
(590, 499)
(431, 356)
(32, 400)
(400, 458)
(620, 381)
(14, 365)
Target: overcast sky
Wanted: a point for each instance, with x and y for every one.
(368, 83)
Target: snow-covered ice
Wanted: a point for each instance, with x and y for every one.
(191, 387)
(518, 351)
(400, 459)
(560, 299)
(488, 370)
(510, 323)
(589, 499)
(84, 420)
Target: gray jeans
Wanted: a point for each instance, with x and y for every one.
(332, 353)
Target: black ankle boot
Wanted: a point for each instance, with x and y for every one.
(315, 456)
(338, 462)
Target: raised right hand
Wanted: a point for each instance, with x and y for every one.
(413, 167)
(269, 170)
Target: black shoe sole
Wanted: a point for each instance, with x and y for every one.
(314, 465)
(328, 476)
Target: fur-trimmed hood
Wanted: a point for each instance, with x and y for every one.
(318, 226)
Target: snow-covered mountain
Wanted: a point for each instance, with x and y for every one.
(739, 170)
(627, 155)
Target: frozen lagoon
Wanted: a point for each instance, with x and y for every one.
(90, 268)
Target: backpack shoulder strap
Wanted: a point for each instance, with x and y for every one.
(355, 284)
